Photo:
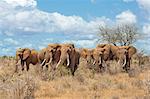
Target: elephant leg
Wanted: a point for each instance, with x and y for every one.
(106, 66)
(72, 71)
(128, 66)
(22, 65)
(75, 67)
(16, 68)
(27, 65)
(72, 68)
(101, 67)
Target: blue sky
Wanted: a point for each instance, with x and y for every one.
(35, 23)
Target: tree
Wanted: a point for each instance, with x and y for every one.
(125, 34)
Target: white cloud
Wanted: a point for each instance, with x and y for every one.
(93, 1)
(128, 0)
(23, 3)
(21, 20)
(8, 33)
(126, 17)
(146, 29)
(83, 43)
(6, 50)
(10, 41)
(27, 45)
(41, 47)
(145, 4)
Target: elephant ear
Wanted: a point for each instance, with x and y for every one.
(17, 57)
(131, 51)
(26, 53)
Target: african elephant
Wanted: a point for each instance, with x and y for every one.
(86, 54)
(26, 56)
(98, 57)
(131, 50)
(68, 56)
(121, 53)
(108, 52)
(46, 55)
(121, 57)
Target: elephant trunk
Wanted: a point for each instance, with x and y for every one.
(89, 59)
(97, 61)
(50, 61)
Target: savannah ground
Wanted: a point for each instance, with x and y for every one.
(86, 84)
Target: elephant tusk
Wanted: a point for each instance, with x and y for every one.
(124, 62)
(50, 60)
(119, 62)
(94, 62)
(43, 62)
(68, 61)
(58, 64)
(100, 60)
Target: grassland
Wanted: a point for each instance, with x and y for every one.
(86, 84)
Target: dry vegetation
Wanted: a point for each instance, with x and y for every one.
(86, 84)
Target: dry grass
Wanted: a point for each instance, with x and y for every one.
(86, 84)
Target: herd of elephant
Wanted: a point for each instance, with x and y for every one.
(55, 55)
